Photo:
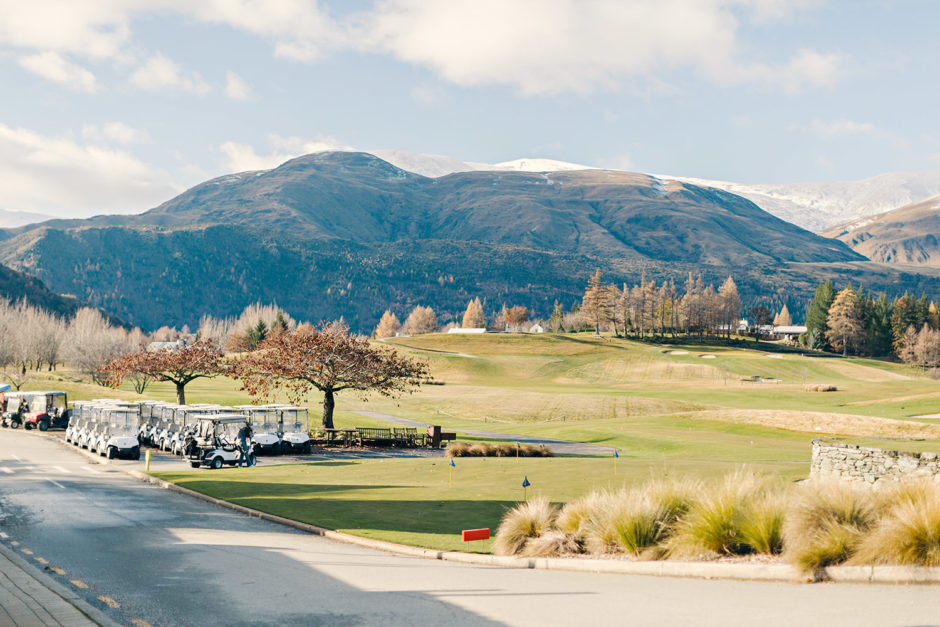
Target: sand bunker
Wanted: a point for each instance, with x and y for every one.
(774, 356)
(677, 352)
(707, 356)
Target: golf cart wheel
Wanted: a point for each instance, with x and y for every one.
(135, 453)
(43, 425)
(28, 426)
(14, 424)
(112, 452)
(285, 448)
(216, 463)
(307, 448)
(195, 464)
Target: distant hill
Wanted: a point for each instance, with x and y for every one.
(349, 234)
(908, 235)
(15, 286)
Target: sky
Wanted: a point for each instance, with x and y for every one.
(113, 106)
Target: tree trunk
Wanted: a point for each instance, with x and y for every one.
(181, 393)
(328, 405)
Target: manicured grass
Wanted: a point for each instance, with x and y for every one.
(409, 501)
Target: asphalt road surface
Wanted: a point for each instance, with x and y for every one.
(149, 556)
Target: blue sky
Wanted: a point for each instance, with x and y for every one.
(116, 105)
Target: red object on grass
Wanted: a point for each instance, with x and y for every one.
(475, 534)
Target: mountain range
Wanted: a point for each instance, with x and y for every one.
(348, 234)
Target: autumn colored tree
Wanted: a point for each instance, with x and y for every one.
(845, 322)
(389, 326)
(178, 366)
(473, 317)
(328, 359)
(421, 320)
(515, 316)
(598, 303)
(760, 316)
(783, 319)
(729, 304)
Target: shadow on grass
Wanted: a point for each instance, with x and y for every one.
(320, 505)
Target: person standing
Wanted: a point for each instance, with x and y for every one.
(244, 437)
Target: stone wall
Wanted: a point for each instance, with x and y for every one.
(832, 458)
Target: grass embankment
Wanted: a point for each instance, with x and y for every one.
(409, 500)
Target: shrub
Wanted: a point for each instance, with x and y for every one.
(575, 515)
(825, 524)
(521, 524)
(908, 531)
(486, 449)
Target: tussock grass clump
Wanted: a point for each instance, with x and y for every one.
(711, 527)
(485, 449)
(825, 523)
(908, 530)
(553, 543)
(761, 526)
(820, 387)
(576, 516)
(523, 523)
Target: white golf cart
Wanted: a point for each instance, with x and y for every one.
(118, 435)
(15, 407)
(164, 423)
(81, 410)
(149, 417)
(295, 430)
(265, 423)
(214, 443)
(184, 423)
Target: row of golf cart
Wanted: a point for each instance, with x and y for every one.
(205, 434)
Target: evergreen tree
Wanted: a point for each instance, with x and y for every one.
(817, 315)
(845, 322)
(905, 315)
(556, 320)
(256, 334)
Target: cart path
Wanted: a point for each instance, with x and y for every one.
(559, 447)
(144, 554)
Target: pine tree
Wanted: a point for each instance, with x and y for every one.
(597, 306)
(256, 334)
(729, 305)
(845, 322)
(903, 317)
(783, 319)
(557, 318)
(877, 317)
(389, 326)
(817, 314)
(473, 317)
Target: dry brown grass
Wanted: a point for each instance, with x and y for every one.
(825, 523)
(908, 531)
(505, 449)
(823, 422)
(820, 387)
(521, 524)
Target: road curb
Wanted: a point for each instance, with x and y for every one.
(58, 589)
(699, 570)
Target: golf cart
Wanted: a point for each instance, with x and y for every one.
(295, 433)
(118, 434)
(163, 419)
(46, 410)
(265, 423)
(81, 410)
(14, 407)
(214, 442)
(149, 417)
(184, 423)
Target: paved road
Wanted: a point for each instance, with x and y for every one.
(141, 553)
(559, 447)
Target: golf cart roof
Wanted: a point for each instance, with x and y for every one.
(222, 418)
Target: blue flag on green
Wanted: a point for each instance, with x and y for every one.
(616, 454)
(452, 462)
(525, 483)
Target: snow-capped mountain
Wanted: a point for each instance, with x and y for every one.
(14, 219)
(814, 206)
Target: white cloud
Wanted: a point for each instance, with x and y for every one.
(59, 176)
(116, 132)
(843, 127)
(52, 66)
(571, 45)
(236, 88)
(161, 73)
(92, 29)
(238, 157)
